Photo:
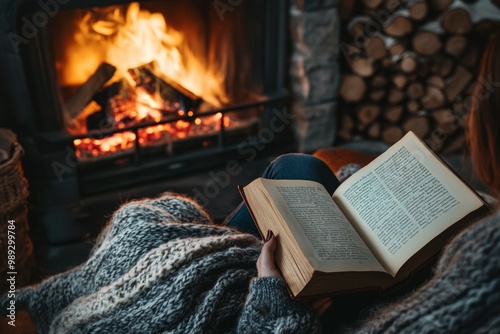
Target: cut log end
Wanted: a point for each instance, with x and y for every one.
(363, 67)
(456, 21)
(392, 134)
(375, 47)
(367, 113)
(415, 90)
(426, 43)
(395, 96)
(418, 10)
(352, 88)
(408, 64)
(393, 114)
(400, 26)
(433, 98)
(418, 124)
(455, 45)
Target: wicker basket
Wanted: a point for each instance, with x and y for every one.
(13, 206)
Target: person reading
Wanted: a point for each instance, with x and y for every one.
(380, 225)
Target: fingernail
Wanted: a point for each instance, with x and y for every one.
(269, 235)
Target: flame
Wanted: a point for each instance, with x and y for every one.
(129, 37)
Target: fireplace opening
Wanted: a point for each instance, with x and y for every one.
(126, 65)
(114, 95)
(134, 87)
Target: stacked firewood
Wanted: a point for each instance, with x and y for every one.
(411, 65)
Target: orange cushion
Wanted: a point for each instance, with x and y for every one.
(336, 158)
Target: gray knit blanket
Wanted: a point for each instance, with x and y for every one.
(161, 266)
(461, 296)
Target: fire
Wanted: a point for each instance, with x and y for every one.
(147, 54)
(129, 37)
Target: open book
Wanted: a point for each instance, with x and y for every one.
(381, 224)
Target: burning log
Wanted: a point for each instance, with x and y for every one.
(146, 97)
(77, 103)
(110, 99)
(145, 77)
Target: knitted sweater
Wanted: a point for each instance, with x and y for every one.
(160, 266)
(462, 295)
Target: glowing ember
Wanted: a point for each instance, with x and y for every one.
(120, 142)
(156, 135)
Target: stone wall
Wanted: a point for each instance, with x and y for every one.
(314, 71)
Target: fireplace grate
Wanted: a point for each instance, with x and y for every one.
(145, 163)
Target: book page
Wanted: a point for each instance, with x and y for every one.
(405, 198)
(325, 235)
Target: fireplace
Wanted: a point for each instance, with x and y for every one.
(108, 95)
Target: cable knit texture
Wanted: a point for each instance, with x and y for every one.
(161, 266)
(462, 296)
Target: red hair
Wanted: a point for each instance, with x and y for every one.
(484, 121)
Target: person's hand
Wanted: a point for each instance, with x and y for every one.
(265, 264)
(267, 268)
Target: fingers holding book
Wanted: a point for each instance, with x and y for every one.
(266, 266)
